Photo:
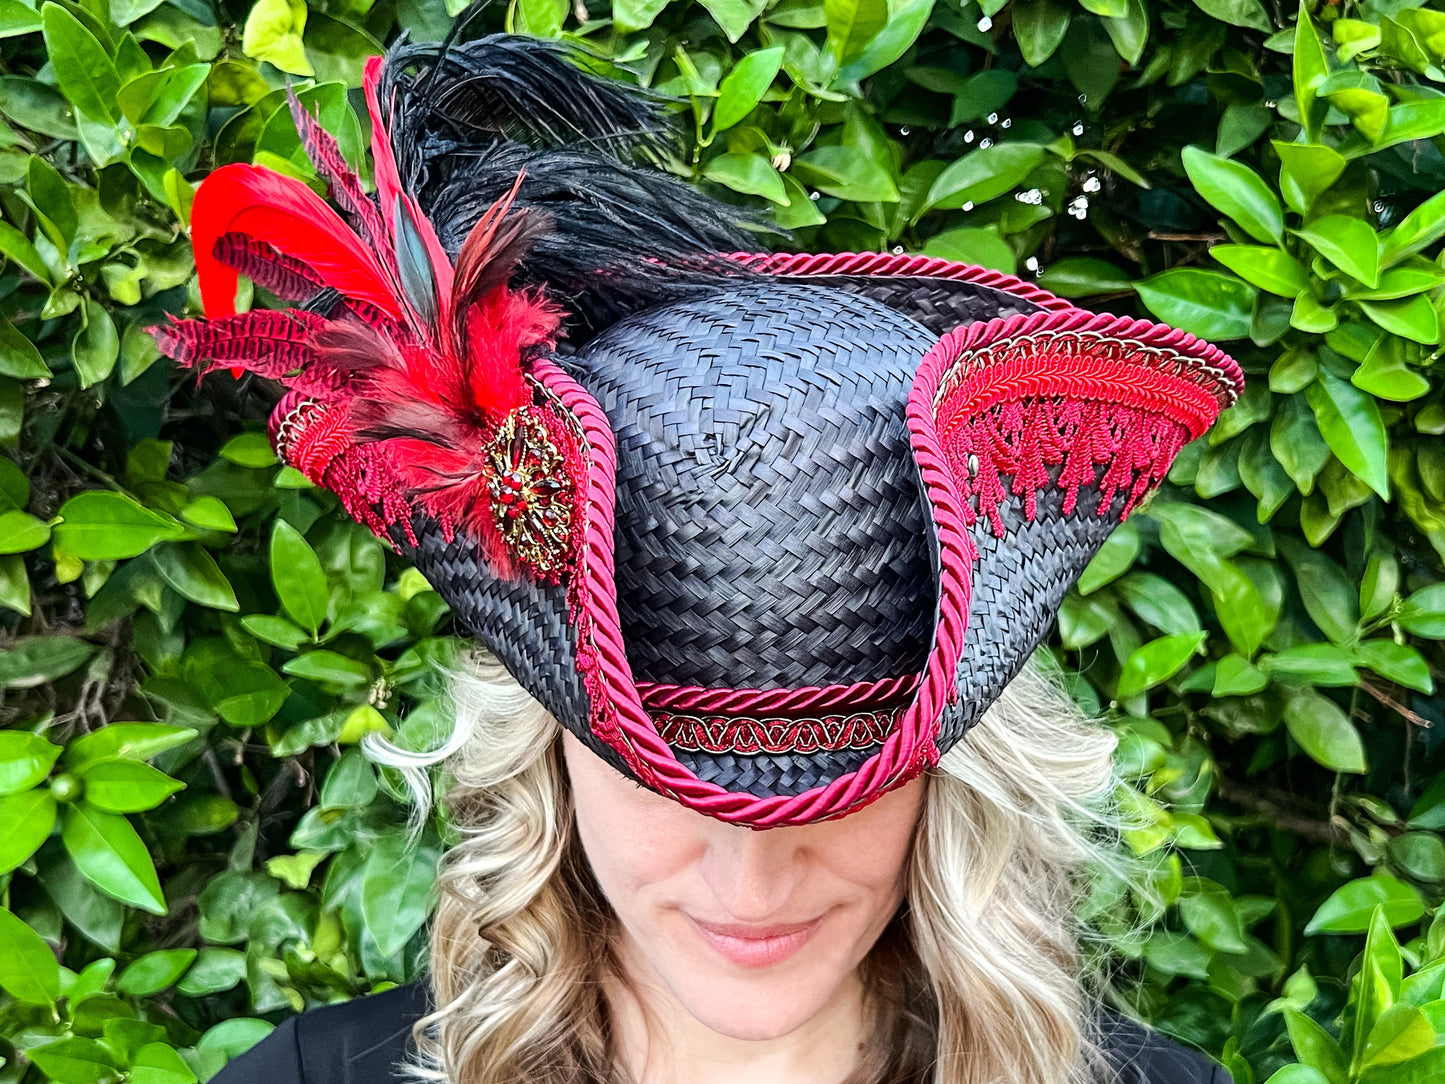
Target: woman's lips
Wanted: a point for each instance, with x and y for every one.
(757, 946)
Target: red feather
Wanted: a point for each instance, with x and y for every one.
(388, 180)
(294, 220)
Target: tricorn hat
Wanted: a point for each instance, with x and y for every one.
(767, 532)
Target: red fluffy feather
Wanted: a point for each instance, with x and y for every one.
(416, 398)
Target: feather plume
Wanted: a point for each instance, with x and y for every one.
(342, 183)
(464, 121)
(285, 214)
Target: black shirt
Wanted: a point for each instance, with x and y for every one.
(362, 1041)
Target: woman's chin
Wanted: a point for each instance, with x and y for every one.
(759, 1012)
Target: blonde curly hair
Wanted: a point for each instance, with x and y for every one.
(978, 981)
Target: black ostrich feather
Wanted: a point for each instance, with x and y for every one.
(466, 119)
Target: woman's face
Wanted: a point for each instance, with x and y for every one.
(751, 933)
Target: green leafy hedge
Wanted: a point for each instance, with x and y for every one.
(192, 846)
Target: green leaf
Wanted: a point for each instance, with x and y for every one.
(1158, 602)
(246, 694)
(1349, 908)
(1324, 732)
(1237, 191)
(1317, 664)
(539, 18)
(330, 667)
(1386, 376)
(25, 759)
(1156, 662)
(124, 741)
(155, 971)
(102, 526)
(1311, 68)
(743, 87)
(1248, 13)
(984, 174)
(83, 68)
(276, 631)
(847, 174)
(1212, 915)
(1350, 422)
(1409, 121)
(1312, 317)
(157, 1063)
(1411, 318)
(39, 660)
(396, 889)
(25, 823)
(112, 856)
(1347, 242)
(21, 532)
(50, 197)
(76, 1061)
(193, 574)
(1424, 612)
(906, 20)
(1040, 27)
(852, 24)
(127, 786)
(980, 247)
(1115, 557)
(1084, 276)
(1205, 303)
(1297, 1074)
(296, 574)
(228, 1039)
(1419, 229)
(273, 33)
(751, 174)
(1306, 172)
(18, 357)
(29, 971)
(1402, 1032)
(96, 346)
(1268, 268)
(1235, 675)
(249, 450)
(1129, 32)
(216, 969)
(1329, 596)
(84, 906)
(636, 14)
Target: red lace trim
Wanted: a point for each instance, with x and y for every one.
(748, 737)
(1010, 409)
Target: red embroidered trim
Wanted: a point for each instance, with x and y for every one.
(760, 702)
(748, 737)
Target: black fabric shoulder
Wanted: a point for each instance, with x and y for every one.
(366, 1040)
(359, 1042)
(1143, 1056)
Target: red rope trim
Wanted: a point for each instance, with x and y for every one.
(889, 265)
(758, 702)
(725, 734)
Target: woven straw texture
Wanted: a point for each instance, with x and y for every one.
(770, 526)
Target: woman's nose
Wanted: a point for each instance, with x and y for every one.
(753, 874)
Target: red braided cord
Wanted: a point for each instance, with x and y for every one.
(888, 264)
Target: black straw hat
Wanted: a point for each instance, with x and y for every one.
(767, 532)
